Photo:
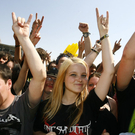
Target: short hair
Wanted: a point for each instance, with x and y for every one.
(51, 63)
(60, 56)
(42, 53)
(5, 72)
(15, 72)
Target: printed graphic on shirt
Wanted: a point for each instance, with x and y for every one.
(74, 130)
(11, 125)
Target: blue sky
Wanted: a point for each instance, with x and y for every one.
(62, 17)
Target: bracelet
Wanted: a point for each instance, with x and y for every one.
(94, 51)
(86, 34)
(105, 36)
(17, 46)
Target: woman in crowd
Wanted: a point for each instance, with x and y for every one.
(70, 109)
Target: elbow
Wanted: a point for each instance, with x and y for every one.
(43, 75)
(128, 53)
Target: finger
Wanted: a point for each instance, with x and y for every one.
(39, 28)
(42, 20)
(119, 40)
(37, 34)
(97, 13)
(107, 17)
(115, 41)
(81, 38)
(14, 17)
(22, 21)
(29, 19)
(36, 16)
(50, 53)
(19, 21)
(79, 43)
(100, 19)
(35, 28)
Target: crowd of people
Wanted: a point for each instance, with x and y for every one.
(69, 95)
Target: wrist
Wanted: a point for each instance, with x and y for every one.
(86, 34)
(103, 37)
(94, 50)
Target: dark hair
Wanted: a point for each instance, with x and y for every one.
(93, 66)
(97, 74)
(42, 53)
(15, 72)
(5, 72)
(60, 56)
(10, 58)
(51, 63)
(3, 54)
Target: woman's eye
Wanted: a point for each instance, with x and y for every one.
(84, 76)
(73, 74)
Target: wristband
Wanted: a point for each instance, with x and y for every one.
(94, 51)
(105, 36)
(17, 46)
(86, 34)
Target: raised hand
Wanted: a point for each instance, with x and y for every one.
(20, 27)
(37, 22)
(81, 45)
(97, 47)
(83, 27)
(103, 23)
(37, 25)
(117, 46)
(35, 35)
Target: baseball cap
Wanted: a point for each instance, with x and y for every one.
(52, 72)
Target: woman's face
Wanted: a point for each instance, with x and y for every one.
(92, 83)
(75, 79)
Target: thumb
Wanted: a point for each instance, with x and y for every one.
(104, 131)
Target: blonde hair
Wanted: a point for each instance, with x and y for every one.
(55, 99)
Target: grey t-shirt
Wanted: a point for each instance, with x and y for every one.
(18, 118)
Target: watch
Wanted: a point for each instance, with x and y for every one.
(86, 34)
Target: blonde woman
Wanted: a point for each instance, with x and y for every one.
(70, 109)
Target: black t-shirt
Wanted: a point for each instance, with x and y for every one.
(105, 120)
(59, 123)
(126, 106)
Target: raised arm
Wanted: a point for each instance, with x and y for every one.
(127, 65)
(84, 28)
(17, 54)
(19, 84)
(93, 54)
(21, 29)
(107, 57)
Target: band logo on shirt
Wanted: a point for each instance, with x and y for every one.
(63, 130)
